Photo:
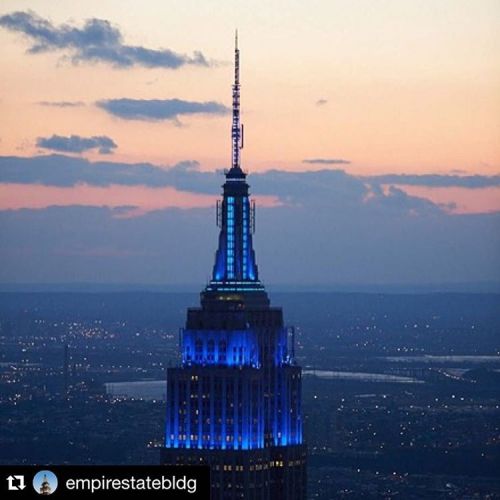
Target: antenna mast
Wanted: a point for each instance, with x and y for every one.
(237, 128)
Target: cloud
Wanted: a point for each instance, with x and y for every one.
(97, 41)
(77, 144)
(327, 189)
(326, 161)
(321, 102)
(159, 109)
(398, 200)
(345, 245)
(61, 104)
(437, 180)
(323, 189)
(66, 171)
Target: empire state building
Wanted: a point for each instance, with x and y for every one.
(235, 401)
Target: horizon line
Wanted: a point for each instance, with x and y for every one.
(402, 287)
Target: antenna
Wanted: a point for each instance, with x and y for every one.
(237, 128)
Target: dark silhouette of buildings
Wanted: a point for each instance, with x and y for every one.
(235, 402)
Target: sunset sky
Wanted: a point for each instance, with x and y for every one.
(397, 99)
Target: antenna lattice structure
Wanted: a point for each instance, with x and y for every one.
(237, 128)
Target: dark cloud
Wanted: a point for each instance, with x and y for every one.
(159, 109)
(65, 171)
(436, 180)
(332, 189)
(326, 161)
(65, 244)
(97, 41)
(61, 104)
(397, 200)
(321, 102)
(323, 189)
(77, 144)
(94, 244)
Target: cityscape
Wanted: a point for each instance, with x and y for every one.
(400, 396)
(302, 308)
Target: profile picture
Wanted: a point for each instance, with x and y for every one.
(45, 482)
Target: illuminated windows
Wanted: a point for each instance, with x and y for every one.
(230, 237)
(244, 236)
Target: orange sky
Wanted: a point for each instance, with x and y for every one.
(472, 201)
(143, 199)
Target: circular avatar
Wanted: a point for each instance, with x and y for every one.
(45, 482)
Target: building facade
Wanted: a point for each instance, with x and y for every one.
(234, 403)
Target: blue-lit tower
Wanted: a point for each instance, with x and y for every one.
(235, 401)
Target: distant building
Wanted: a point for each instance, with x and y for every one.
(235, 402)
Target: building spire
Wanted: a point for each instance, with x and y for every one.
(237, 128)
(235, 267)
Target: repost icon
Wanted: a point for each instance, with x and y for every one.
(16, 483)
